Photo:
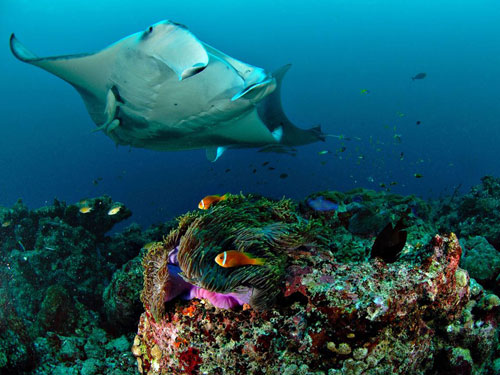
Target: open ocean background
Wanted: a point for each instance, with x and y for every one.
(337, 48)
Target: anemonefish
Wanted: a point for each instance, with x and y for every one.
(206, 202)
(234, 258)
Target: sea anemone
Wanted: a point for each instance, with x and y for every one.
(183, 265)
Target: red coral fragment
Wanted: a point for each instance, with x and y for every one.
(190, 360)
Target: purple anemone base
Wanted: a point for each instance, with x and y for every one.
(178, 287)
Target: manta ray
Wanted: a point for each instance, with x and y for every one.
(163, 89)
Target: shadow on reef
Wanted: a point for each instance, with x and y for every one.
(339, 283)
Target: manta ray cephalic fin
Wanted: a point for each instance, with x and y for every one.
(181, 51)
(111, 110)
(213, 153)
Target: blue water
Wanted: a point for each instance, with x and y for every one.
(337, 49)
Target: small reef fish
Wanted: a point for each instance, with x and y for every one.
(283, 175)
(234, 258)
(114, 210)
(418, 175)
(391, 240)
(85, 209)
(5, 224)
(364, 91)
(324, 152)
(209, 200)
(419, 76)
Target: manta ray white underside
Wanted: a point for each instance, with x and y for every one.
(163, 89)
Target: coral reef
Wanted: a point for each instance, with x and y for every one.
(16, 346)
(477, 213)
(90, 351)
(55, 263)
(366, 317)
(320, 300)
(336, 310)
(481, 260)
(474, 217)
(121, 297)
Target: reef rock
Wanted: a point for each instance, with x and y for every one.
(482, 261)
(325, 317)
(477, 213)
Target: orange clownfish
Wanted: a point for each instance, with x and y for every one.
(234, 258)
(206, 202)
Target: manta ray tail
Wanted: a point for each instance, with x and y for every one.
(271, 113)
